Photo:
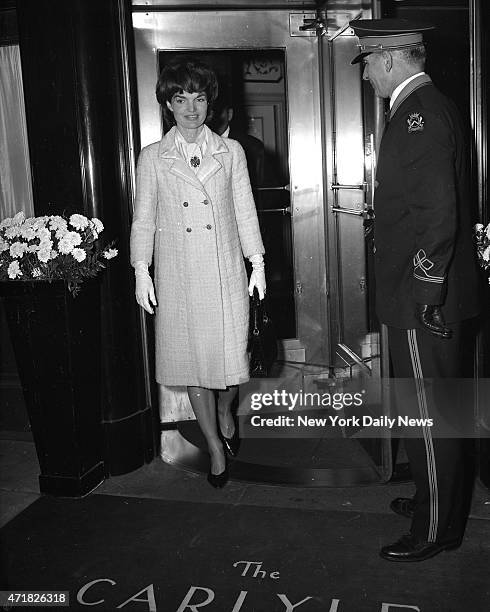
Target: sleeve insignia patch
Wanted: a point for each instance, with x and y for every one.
(422, 265)
(415, 123)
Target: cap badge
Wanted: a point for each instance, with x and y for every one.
(415, 123)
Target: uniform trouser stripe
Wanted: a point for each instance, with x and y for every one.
(429, 446)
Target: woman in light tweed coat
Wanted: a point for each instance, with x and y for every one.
(195, 219)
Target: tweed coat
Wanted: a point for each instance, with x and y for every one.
(423, 230)
(196, 229)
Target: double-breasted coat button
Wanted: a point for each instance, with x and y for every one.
(185, 204)
(205, 202)
(208, 226)
(188, 229)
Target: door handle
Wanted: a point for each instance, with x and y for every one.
(360, 212)
(280, 188)
(284, 211)
(373, 169)
(361, 187)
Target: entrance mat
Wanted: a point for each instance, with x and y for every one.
(141, 554)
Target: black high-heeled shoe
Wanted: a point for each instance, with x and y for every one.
(218, 481)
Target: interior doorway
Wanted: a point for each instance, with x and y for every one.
(256, 55)
(252, 103)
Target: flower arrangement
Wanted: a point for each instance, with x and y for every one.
(52, 248)
(482, 235)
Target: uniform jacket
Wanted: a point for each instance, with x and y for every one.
(196, 228)
(423, 229)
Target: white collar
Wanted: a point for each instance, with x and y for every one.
(226, 133)
(192, 152)
(397, 90)
(201, 140)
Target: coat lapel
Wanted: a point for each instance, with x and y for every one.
(210, 164)
(420, 81)
(176, 165)
(169, 153)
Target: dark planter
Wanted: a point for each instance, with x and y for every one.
(56, 340)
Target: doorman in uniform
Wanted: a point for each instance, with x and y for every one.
(425, 267)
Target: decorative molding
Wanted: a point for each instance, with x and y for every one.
(166, 5)
(262, 69)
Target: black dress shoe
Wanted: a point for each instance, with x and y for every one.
(409, 548)
(218, 481)
(404, 506)
(232, 444)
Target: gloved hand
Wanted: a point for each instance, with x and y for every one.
(145, 292)
(432, 320)
(257, 278)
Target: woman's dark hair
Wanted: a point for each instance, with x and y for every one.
(188, 75)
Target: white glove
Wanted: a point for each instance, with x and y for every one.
(257, 278)
(145, 292)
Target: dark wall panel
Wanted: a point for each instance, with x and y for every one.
(75, 101)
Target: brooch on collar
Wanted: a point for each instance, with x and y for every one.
(195, 161)
(415, 123)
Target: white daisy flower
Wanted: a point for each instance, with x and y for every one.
(28, 233)
(65, 245)
(18, 249)
(61, 233)
(45, 244)
(79, 254)
(40, 222)
(97, 225)
(43, 234)
(14, 270)
(13, 231)
(79, 221)
(6, 223)
(44, 255)
(57, 223)
(110, 253)
(73, 237)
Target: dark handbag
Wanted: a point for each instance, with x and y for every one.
(262, 341)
